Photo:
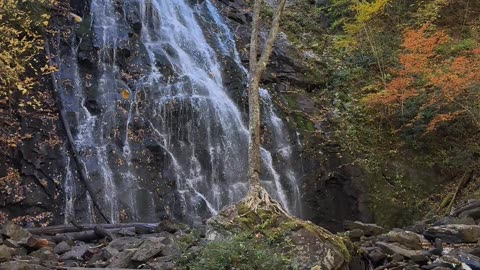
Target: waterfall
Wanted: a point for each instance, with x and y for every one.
(159, 130)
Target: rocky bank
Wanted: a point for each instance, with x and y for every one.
(450, 242)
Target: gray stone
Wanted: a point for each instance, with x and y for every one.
(170, 250)
(397, 258)
(122, 259)
(148, 249)
(125, 232)
(420, 259)
(76, 253)
(438, 265)
(5, 253)
(20, 266)
(99, 259)
(15, 233)
(468, 259)
(455, 220)
(11, 243)
(368, 229)
(407, 239)
(27, 259)
(454, 233)
(467, 220)
(145, 229)
(472, 213)
(122, 243)
(20, 251)
(355, 234)
(161, 265)
(411, 267)
(377, 256)
(71, 263)
(476, 251)
(168, 226)
(392, 249)
(44, 254)
(62, 247)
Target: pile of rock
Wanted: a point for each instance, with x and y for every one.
(452, 242)
(136, 248)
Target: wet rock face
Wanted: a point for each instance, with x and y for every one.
(31, 170)
(155, 91)
(99, 81)
(330, 193)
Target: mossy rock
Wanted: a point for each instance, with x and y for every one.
(303, 244)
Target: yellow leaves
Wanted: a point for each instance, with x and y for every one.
(21, 44)
(21, 88)
(345, 42)
(430, 11)
(367, 10)
(47, 69)
(75, 17)
(125, 94)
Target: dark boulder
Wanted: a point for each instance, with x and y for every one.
(407, 239)
(394, 249)
(454, 233)
(377, 257)
(5, 253)
(148, 249)
(62, 247)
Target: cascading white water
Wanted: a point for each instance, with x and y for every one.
(177, 99)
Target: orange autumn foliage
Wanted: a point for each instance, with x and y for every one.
(447, 82)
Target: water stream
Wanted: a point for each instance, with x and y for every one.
(159, 130)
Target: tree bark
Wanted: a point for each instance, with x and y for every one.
(256, 70)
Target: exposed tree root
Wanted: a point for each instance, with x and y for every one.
(259, 199)
(261, 215)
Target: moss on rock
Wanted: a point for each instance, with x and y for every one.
(298, 243)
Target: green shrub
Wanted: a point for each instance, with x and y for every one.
(243, 251)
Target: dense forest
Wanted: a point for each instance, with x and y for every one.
(213, 134)
(402, 78)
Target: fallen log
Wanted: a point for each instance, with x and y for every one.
(57, 229)
(85, 236)
(103, 233)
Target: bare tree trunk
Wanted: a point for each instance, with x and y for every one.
(256, 70)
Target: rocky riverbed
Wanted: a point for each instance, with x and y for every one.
(450, 242)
